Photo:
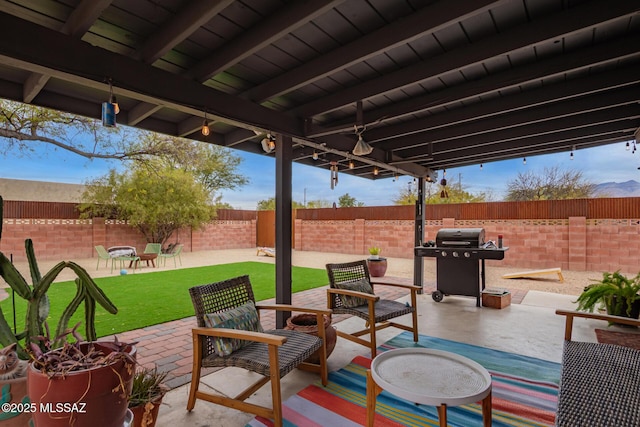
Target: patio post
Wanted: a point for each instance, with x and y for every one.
(418, 261)
(284, 156)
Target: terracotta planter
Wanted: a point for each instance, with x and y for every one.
(88, 398)
(377, 267)
(307, 323)
(146, 415)
(14, 391)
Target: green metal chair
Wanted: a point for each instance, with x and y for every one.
(153, 248)
(174, 254)
(133, 261)
(103, 254)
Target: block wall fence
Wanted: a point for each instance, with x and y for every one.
(575, 243)
(578, 234)
(59, 239)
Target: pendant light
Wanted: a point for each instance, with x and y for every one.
(205, 126)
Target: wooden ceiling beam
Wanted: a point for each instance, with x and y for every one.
(556, 26)
(427, 20)
(279, 24)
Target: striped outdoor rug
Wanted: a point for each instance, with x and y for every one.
(524, 393)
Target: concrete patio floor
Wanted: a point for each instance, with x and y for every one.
(528, 326)
(532, 330)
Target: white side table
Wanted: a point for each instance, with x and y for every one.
(429, 377)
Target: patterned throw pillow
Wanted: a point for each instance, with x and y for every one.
(244, 317)
(361, 285)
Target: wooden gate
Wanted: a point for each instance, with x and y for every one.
(266, 232)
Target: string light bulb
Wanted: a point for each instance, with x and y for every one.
(627, 147)
(205, 126)
(524, 160)
(375, 171)
(573, 148)
(315, 155)
(481, 167)
(351, 164)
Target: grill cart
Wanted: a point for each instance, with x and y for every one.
(460, 255)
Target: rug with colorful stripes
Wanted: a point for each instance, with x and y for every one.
(524, 393)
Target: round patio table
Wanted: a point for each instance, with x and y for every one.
(429, 377)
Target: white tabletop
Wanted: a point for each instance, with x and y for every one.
(431, 377)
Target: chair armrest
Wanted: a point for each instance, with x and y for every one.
(364, 295)
(287, 307)
(239, 334)
(412, 288)
(571, 314)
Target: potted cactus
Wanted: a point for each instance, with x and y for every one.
(146, 396)
(37, 308)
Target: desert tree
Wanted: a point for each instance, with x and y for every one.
(552, 183)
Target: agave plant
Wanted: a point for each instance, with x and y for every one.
(35, 294)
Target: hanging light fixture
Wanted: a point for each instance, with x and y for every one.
(524, 160)
(351, 164)
(362, 148)
(315, 155)
(376, 171)
(573, 148)
(109, 109)
(205, 126)
(268, 143)
(481, 167)
(627, 146)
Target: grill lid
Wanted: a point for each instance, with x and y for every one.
(460, 237)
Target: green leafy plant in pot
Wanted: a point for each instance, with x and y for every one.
(15, 344)
(146, 396)
(616, 292)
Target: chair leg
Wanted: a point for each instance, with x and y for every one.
(276, 395)
(414, 315)
(195, 372)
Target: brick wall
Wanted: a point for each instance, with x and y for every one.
(575, 243)
(73, 239)
(572, 244)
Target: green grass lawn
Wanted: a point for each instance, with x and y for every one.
(158, 297)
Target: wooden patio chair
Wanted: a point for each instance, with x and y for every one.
(272, 353)
(599, 382)
(351, 291)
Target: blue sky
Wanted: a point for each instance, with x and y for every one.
(610, 163)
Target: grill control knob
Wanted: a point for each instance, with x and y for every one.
(443, 253)
(467, 255)
(455, 254)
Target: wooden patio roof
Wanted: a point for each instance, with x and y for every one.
(428, 84)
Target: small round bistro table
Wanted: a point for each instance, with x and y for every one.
(429, 377)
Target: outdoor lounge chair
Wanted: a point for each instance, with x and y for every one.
(175, 253)
(238, 341)
(352, 292)
(599, 382)
(103, 255)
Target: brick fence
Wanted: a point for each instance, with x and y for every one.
(57, 239)
(574, 243)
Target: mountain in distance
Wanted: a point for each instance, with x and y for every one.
(618, 189)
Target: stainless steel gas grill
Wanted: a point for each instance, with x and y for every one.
(460, 255)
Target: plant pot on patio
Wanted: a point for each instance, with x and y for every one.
(307, 323)
(377, 267)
